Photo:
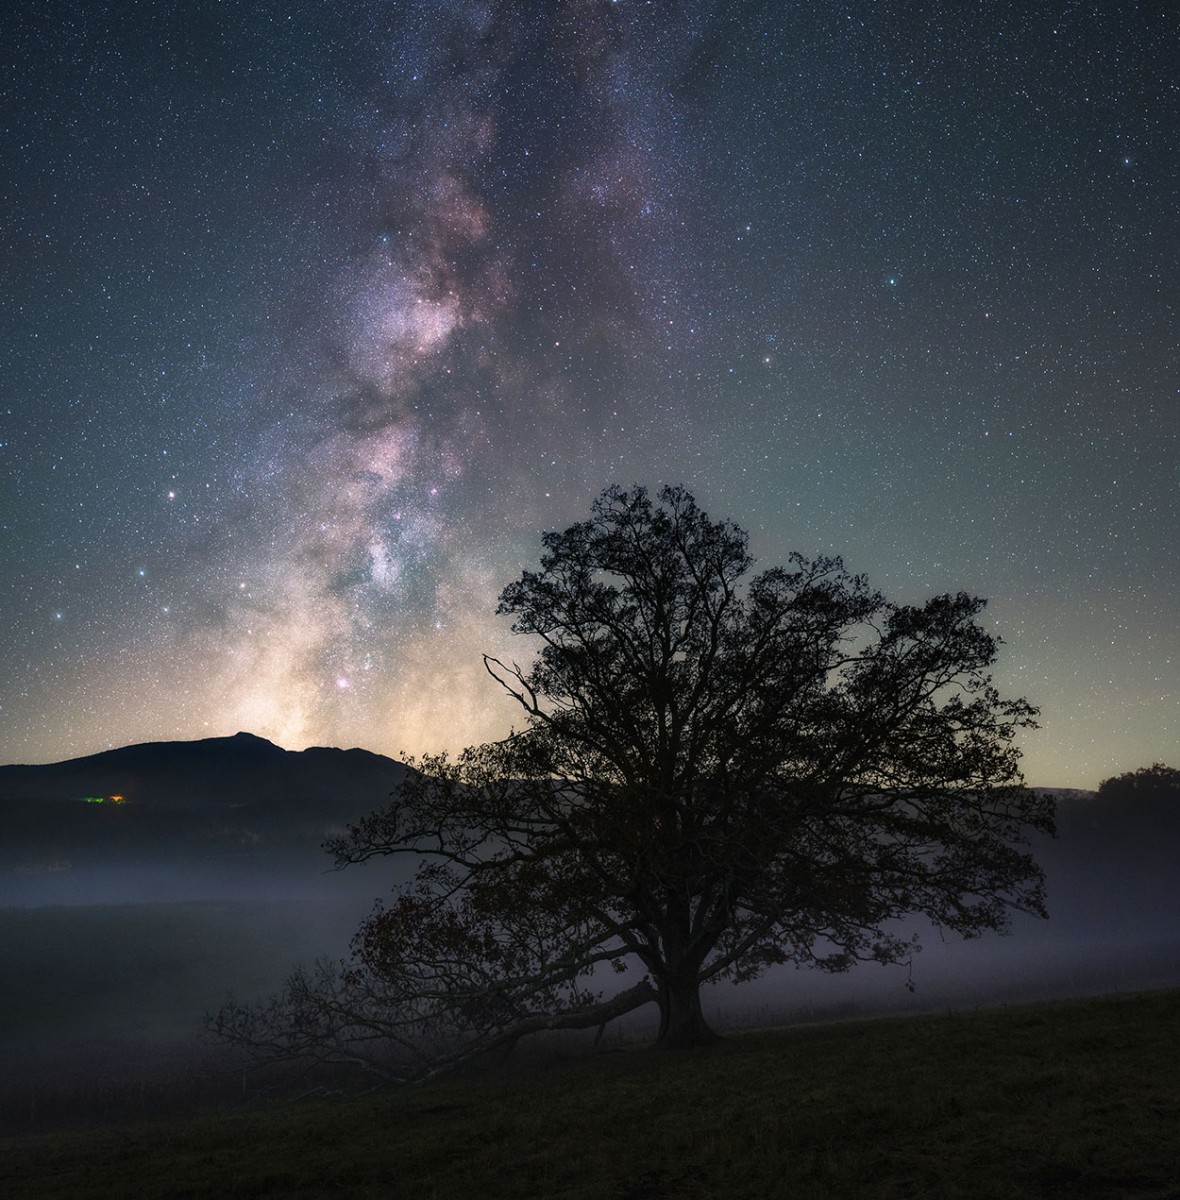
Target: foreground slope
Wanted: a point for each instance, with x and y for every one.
(1053, 1100)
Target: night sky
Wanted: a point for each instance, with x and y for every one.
(315, 315)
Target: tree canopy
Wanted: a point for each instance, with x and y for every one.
(1137, 811)
(1158, 783)
(717, 771)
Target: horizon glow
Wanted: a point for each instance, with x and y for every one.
(315, 320)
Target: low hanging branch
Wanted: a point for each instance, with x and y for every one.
(332, 1018)
(600, 1014)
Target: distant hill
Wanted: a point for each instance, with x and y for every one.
(221, 772)
(237, 798)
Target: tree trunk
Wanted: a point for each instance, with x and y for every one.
(682, 1023)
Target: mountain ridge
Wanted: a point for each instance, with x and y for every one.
(183, 772)
(237, 803)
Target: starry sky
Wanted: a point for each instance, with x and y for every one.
(315, 315)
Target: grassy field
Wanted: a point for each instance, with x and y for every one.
(1073, 1099)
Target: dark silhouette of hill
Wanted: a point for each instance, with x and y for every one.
(122, 922)
(240, 799)
(222, 772)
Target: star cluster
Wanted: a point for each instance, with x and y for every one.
(316, 316)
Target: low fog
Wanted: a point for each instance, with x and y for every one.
(124, 923)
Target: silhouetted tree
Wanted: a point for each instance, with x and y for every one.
(1135, 814)
(716, 773)
(1156, 785)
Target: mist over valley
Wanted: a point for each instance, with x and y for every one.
(142, 886)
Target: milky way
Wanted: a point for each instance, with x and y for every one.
(314, 320)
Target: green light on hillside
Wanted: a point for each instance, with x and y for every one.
(104, 799)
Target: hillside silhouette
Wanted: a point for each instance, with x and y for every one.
(236, 803)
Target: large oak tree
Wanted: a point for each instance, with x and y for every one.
(717, 771)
